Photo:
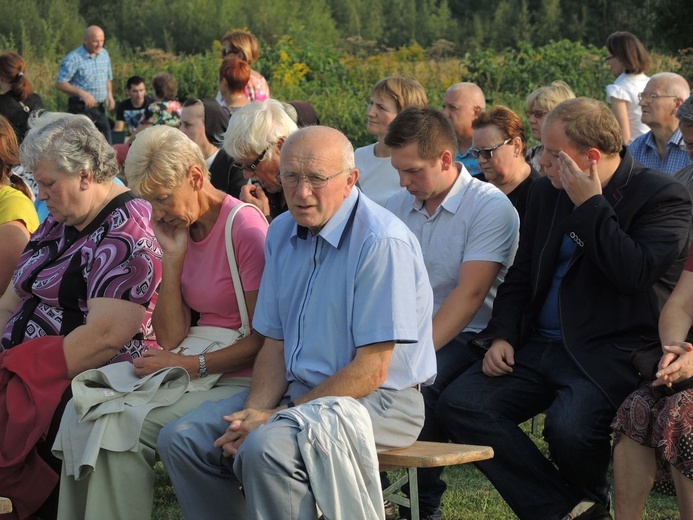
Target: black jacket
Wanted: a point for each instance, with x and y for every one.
(632, 242)
(225, 175)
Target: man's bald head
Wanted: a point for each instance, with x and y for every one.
(319, 141)
(462, 104)
(94, 39)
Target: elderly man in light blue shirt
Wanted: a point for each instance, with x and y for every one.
(345, 305)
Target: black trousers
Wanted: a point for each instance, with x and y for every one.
(97, 114)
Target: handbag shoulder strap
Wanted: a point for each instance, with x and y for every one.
(237, 284)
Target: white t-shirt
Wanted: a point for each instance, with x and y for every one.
(626, 88)
(377, 178)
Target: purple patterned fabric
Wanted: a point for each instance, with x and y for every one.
(120, 259)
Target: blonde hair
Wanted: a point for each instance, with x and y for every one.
(548, 97)
(161, 156)
(404, 91)
(244, 42)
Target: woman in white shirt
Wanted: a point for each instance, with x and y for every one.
(628, 59)
(377, 178)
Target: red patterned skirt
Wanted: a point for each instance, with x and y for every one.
(662, 422)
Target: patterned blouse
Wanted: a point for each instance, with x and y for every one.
(116, 256)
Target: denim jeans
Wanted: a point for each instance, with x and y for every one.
(477, 409)
(453, 359)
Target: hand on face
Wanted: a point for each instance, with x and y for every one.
(255, 195)
(172, 239)
(579, 185)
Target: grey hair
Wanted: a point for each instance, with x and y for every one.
(685, 112)
(70, 143)
(676, 85)
(256, 127)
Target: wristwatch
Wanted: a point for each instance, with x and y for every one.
(202, 371)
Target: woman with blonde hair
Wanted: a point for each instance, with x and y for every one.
(628, 59)
(377, 178)
(246, 47)
(539, 103)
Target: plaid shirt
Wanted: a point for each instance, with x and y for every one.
(89, 73)
(644, 150)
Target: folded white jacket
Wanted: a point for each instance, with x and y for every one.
(338, 448)
(107, 410)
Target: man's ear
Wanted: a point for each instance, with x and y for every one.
(280, 143)
(447, 160)
(594, 154)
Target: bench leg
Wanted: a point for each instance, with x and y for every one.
(413, 493)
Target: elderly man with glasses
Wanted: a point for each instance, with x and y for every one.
(662, 148)
(345, 308)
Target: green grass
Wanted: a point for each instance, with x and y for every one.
(469, 496)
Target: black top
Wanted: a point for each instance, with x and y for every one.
(18, 115)
(225, 176)
(520, 194)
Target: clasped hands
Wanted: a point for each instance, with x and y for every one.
(240, 425)
(676, 364)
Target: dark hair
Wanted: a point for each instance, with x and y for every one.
(12, 68)
(236, 72)
(423, 125)
(134, 80)
(507, 121)
(627, 48)
(9, 157)
(165, 86)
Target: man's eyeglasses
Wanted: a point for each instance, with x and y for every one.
(651, 97)
(315, 181)
(487, 153)
(609, 58)
(538, 114)
(253, 165)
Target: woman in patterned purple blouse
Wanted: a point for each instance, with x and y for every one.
(91, 271)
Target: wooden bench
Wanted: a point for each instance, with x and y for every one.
(5, 505)
(424, 454)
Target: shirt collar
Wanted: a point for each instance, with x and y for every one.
(453, 199)
(333, 232)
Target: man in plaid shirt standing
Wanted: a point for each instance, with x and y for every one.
(85, 75)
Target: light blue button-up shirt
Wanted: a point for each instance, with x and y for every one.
(475, 222)
(361, 280)
(471, 163)
(89, 73)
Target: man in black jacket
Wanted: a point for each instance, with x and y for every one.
(204, 121)
(603, 242)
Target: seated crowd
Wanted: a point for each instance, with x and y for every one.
(443, 284)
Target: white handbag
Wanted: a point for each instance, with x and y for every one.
(203, 340)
